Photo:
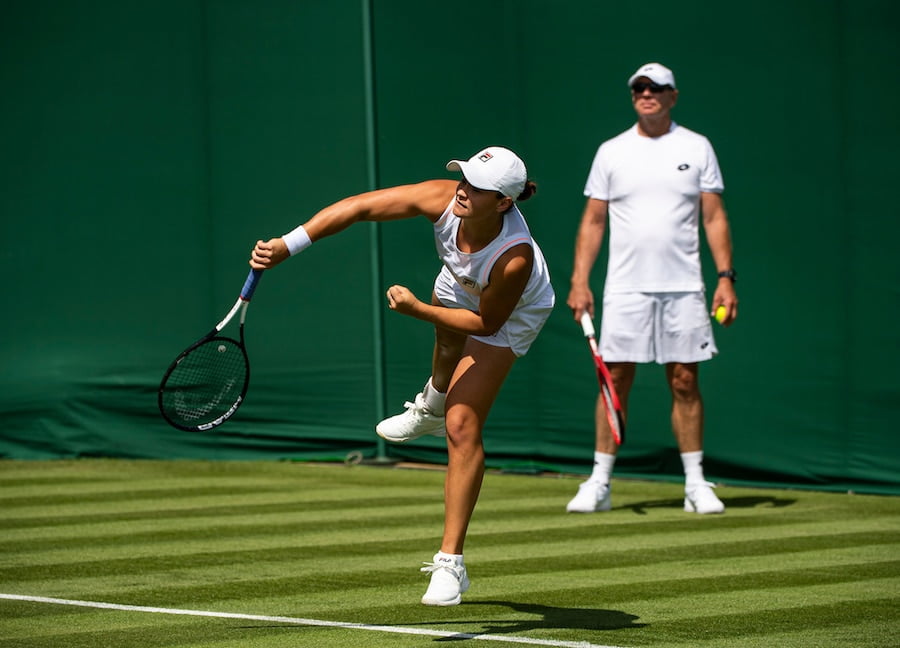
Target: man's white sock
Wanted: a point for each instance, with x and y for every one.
(693, 467)
(603, 467)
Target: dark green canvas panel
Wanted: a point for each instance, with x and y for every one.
(148, 145)
(873, 295)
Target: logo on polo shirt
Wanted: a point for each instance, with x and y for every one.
(684, 167)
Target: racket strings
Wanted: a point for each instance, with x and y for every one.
(206, 384)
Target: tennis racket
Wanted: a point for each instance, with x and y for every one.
(611, 403)
(207, 382)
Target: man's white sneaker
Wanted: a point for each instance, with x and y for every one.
(592, 497)
(700, 498)
(416, 421)
(449, 581)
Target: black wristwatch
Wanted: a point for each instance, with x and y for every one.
(731, 274)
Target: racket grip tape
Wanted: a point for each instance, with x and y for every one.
(587, 325)
(250, 284)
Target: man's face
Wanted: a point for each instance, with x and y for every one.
(650, 99)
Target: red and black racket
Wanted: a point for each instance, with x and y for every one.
(207, 382)
(611, 403)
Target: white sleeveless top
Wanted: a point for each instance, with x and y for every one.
(473, 271)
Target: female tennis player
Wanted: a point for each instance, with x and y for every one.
(490, 301)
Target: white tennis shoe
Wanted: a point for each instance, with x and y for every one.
(592, 497)
(449, 581)
(416, 421)
(700, 498)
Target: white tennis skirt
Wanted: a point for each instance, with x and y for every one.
(519, 331)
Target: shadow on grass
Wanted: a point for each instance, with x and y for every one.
(730, 502)
(547, 618)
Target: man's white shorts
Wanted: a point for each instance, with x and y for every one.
(656, 327)
(519, 331)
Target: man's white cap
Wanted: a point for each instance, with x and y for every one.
(656, 72)
(495, 168)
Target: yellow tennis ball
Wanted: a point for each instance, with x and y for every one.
(721, 312)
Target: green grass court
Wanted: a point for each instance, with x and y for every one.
(328, 555)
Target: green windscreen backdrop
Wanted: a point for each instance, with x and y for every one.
(147, 145)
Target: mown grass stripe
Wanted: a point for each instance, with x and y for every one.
(357, 586)
(297, 523)
(202, 549)
(681, 586)
(167, 509)
(306, 528)
(12, 496)
(555, 578)
(316, 576)
(455, 636)
(237, 499)
(790, 619)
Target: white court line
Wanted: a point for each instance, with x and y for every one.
(306, 622)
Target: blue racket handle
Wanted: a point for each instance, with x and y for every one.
(250, 285)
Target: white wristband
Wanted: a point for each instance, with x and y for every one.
(297, 240)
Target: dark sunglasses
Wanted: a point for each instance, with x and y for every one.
(655, 88)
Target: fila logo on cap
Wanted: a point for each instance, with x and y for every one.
(484, 157)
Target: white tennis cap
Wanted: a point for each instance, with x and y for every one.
(656, 72)
(495, 168)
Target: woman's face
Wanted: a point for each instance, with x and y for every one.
(472, 202)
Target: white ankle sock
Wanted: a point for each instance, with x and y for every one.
(456, 558)
(434, 400)
(693, 467)
(603, 467)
